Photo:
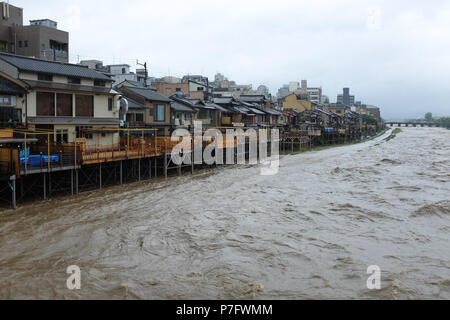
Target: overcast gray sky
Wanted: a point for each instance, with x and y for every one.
(394, 54)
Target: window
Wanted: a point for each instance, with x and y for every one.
(203, 114)
(110, 104)
(10, 116)
(99, 83)
(45, 104)
(159, 115)
(62, 136)
(73, 80)
(83, 133)
(7, 101)
(124, 70)
(20, 43)
(42, 47)
(63, 105)
(45, 77)
(129, 117)
(84, 105)
(139, 117)
(168, 91)
(200, 89)
(25, 43)
(178, 89)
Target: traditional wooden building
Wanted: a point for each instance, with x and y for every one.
(150, 106)
(12, 99)
(63, 98)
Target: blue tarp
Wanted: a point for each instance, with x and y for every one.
(35, 160)
(22, 152)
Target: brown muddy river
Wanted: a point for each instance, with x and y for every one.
(309, 232)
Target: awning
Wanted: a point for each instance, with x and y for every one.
(17, 140)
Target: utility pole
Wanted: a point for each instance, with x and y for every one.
(146, 72)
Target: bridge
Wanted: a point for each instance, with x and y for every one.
(412, 124)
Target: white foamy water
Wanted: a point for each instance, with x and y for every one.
(309, 232)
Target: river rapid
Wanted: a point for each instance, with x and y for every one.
(309, 232)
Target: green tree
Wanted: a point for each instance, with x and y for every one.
(369, 120)
(429, 117)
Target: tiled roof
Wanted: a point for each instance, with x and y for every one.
(51, 67)
(273, 112)
(218, 107)
(252, 98)
(180, 107)
(133, 104)
(257, 111)
(223, 100)
(147, 93)
(139, 84)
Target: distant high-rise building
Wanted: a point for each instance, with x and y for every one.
(293, 86)
(346, 98)
(325, 100)
(304, 88)
(315, 95)
(283, 91)
(312, 94)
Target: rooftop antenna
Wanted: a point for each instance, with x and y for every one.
(146, 73)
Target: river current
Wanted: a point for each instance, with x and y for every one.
(309, 232)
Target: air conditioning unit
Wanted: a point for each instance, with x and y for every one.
(5, 10)
(177, 122)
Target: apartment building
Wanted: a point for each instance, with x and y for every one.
(41, 39)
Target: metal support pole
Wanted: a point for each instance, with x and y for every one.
(71, 181)
(100, 174)
(45, 185)
(76, 181)
(165, 165)
(139, 169)
(13, 193)
(150, 168)
(49, 184)
(121, 172)
(156, 167)
(192, 160)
